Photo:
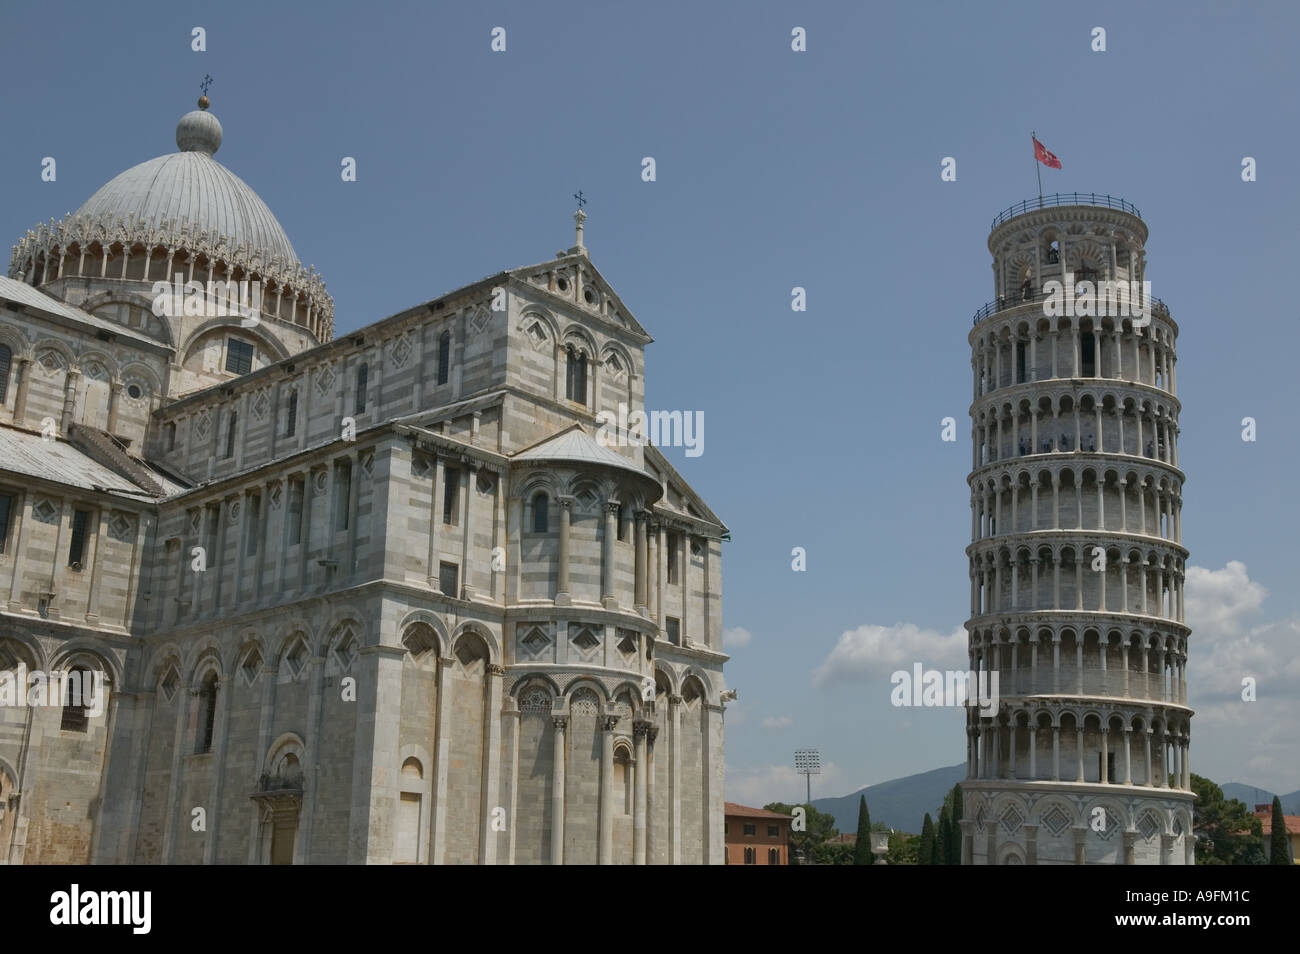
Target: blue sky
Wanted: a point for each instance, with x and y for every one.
(775, 169)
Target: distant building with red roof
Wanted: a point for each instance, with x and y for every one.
(1265, 815)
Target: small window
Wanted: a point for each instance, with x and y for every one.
(751, 830)
(133, 392)
(77, 548)
(750, 854)
(444, 357)
(450, 493)
(77, 700)
(343, 494)
(291, 416)
(363, 377)
(6, 508)
(6, 359)
(296, 489)
(674, 547)
(207, 714)
(673, 627)
(541, 515)
(773, 831)
(239, 356)
(622, 527)
(230, 434)
(773, 856)
(171, 436)
(254, 524)
(448, 574)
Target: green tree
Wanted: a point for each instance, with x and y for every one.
(925, 851)
(944, 837)
(1279, 848)
(953, 803)
(1226, 832)
(810, 845)
(862, 847)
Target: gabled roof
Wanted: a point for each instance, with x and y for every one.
(574, 446)
(20, 293)
(624, 317)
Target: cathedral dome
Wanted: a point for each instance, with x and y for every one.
(190, 186)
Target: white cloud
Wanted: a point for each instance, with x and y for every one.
(757, 785)
(776, 723)
(872, 651)
(736, 637)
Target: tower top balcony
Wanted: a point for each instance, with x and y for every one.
(1058, 199)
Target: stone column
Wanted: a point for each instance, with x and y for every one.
(1130, 838)
(967, 840)
(470, 471)
(439, 471)
(562, 597)
(1080, 845)
(1128, 756)
(991, 848)
(442, 761)
(607, 794)
(1105, 755)
(1056, 752)
(607, 597)
(1031, 844)
(639, 732)
(675, 778)
(557, 790)
(491, 766)
(641, 560)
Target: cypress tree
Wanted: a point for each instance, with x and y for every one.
(943, 838)
(954, 833)
(862, 849)
(925, 851)
(1279, 847)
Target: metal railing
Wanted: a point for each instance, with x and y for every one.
(1066, 198)
(1156, 306)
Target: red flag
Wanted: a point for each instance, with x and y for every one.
(1045, 157)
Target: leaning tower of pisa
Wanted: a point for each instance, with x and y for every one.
(1076, 556)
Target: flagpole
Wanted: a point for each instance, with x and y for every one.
(1037, 170)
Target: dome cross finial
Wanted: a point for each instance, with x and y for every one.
(204, 102)
(578, 218)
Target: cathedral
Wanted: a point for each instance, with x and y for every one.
(384, 598)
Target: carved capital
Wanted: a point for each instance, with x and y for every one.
(560, 722)
(609, 722)
(494, 670)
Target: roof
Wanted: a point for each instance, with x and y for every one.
(575, 446)
(23, 452)
(1266, 820)
(191, 186)
(745, 811)
(20, 293)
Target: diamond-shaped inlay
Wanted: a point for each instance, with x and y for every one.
(95, 371)
(420, 466)
(1178, 827)
(980, 818)
(587, 501)
(260, 405)
(535, 641)
(1056, 821)
(202, 425)
(252, 666)
(537, 334)
(1148, 827)
(417, 642)
(45, 511)
(346, 650)
(275, 495)
(171, 682)
(368, 464)
(1011, 819)
(51, 361)
(627, 646)
(401, 350)
(479, 320)
(119, 527)
(297, 657)
(194, 521)
(586, 641)
(325, 379)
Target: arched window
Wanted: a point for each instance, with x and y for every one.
(207, 714)
(6, 358)
(444, 357)
(575, 376)
(291, 417)
(78, 690)
(541, 517)
(773, 856)
(363, 377)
